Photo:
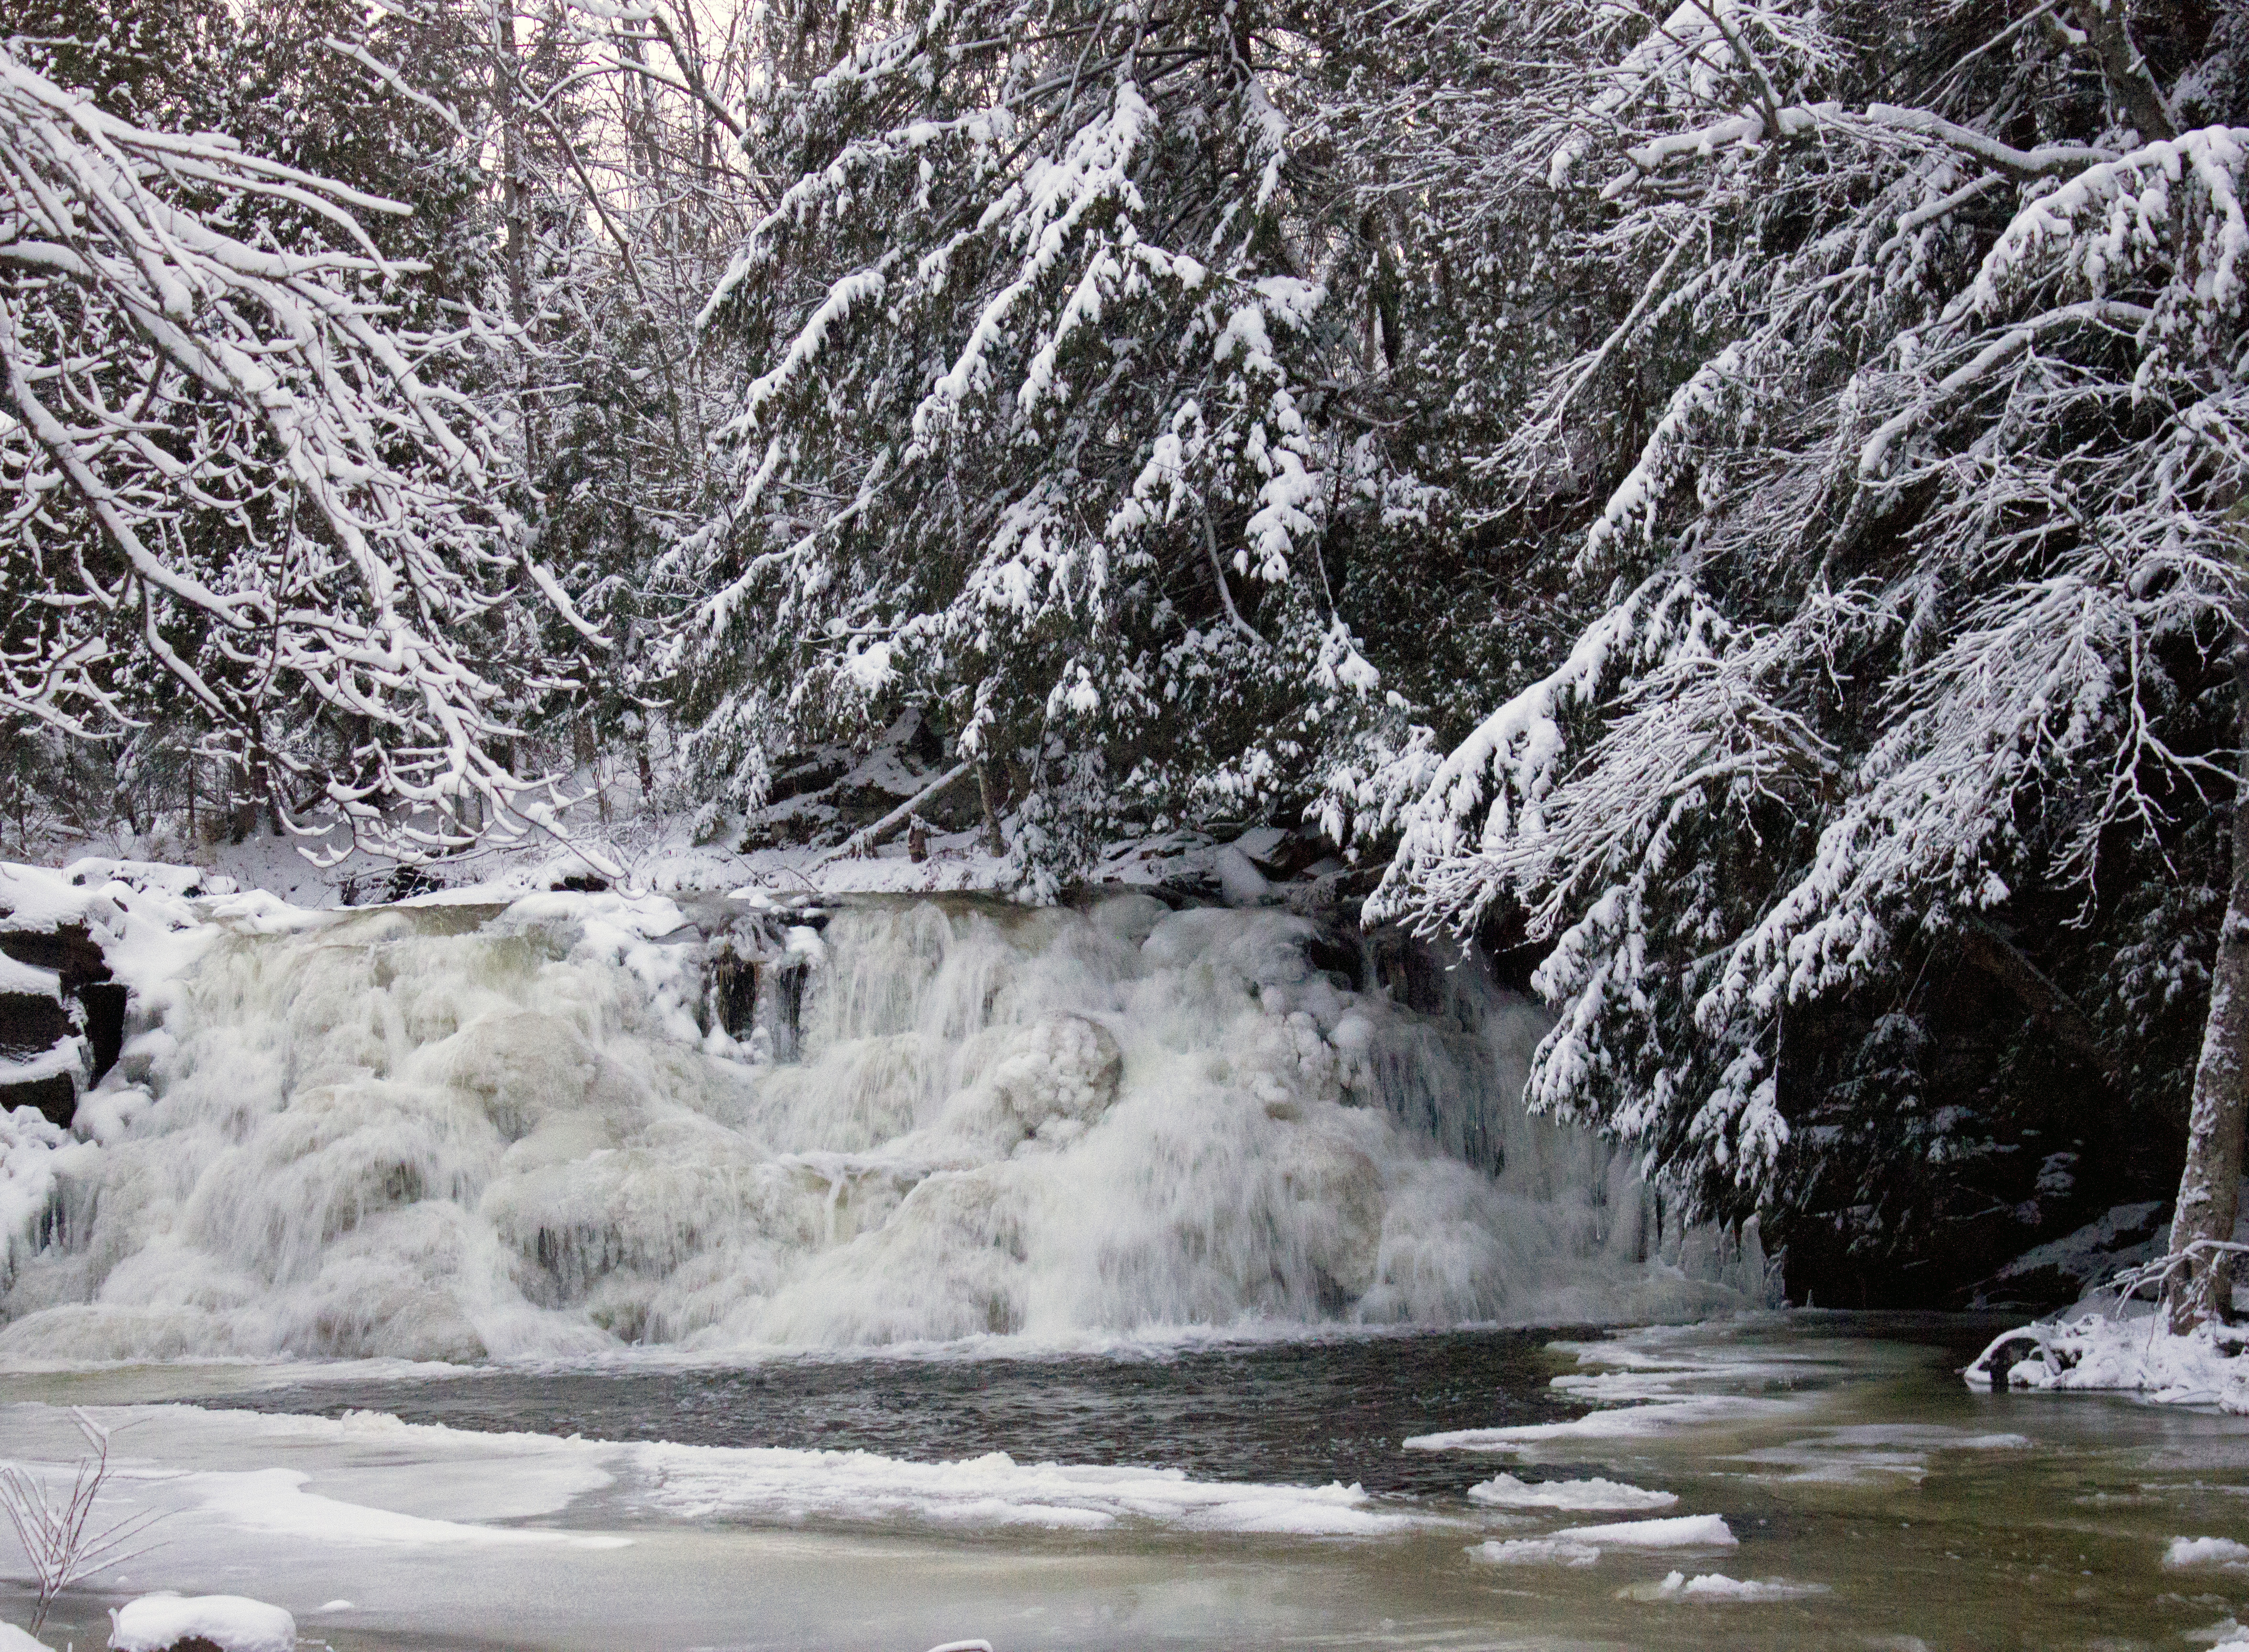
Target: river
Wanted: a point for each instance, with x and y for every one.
(1204, 1492)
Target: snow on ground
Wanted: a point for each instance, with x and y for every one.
(230, 1622)
(640, 841)
(2124, 1237)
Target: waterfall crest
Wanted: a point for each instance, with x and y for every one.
(554, 1128)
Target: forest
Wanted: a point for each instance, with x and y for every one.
(1737, 509)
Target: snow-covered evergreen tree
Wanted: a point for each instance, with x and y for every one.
(1921, 585)
(1049, 430)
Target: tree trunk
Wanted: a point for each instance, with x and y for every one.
(2209, 1187)
(514, 207)
(994, 839)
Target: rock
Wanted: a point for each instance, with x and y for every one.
(59, 990)
(55, 1096)
(31, 1023)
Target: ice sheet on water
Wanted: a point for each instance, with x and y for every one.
(1533, 1552)
(1717, 1587)
(1865, 1454)
(1622, 1422)
(1659, 1383)
(705, 1483)
(274, 1502)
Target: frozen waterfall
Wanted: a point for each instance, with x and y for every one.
(582, 1121)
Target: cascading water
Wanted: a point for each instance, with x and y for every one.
(452, 1132)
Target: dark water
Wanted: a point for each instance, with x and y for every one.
(1294, 1412)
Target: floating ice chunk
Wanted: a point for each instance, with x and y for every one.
(1682, 1532)
(230, 1622)
(1588, 1497)
(2192, 1552)
(1717, 1587)
(1533, 1552)
(334, 1606)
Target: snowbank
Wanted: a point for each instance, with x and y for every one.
(14, 1639)
(2124, 1346)
(232, 1622)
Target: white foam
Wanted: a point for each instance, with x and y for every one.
(232, 1622)
(1681, 1531)
(1589, 1497)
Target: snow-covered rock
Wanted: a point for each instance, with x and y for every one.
(2104, 1345)
(230, 1622)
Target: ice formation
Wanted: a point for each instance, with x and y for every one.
(455, 1132)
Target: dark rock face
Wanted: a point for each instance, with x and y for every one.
(55, 1096)
(31, 1023)
(90, 1005)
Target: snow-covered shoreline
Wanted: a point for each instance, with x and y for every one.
(2104, 1346)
